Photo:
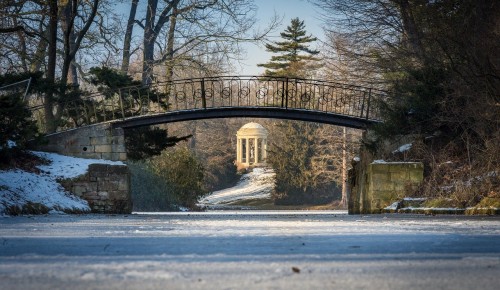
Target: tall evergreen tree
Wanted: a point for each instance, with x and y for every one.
(294, 57)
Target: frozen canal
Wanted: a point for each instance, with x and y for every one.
(249, 250)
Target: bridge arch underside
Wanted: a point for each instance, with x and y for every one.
(255, 112)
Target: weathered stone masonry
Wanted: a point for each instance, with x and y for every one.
(100, 141)
(105, 187)
(374, 186)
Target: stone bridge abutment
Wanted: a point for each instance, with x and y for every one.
(99, 141)
(105, 187)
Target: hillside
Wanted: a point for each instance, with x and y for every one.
(253, 187)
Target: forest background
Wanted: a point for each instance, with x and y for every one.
(437, 60)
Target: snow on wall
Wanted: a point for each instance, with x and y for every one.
(18, 187)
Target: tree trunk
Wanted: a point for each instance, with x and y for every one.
(128, 37)
(170, 45)
(344, 168)
(151, 32)
(67, 27)
(23, 50)
(410, 28)
(41, 49)
(50, 125)
(169, 61)
(72, 41)
(70, 75)
(149, 42)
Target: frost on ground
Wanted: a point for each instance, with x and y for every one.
(249, 250)
(18, 187)
(257, 184)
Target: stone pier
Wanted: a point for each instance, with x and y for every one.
(377, 185)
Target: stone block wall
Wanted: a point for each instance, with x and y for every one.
(105, 187)
(100, 141)
(375, 185)
(390, 181)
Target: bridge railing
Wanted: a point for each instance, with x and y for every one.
(220, 92)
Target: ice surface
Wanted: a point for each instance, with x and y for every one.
(249, 250)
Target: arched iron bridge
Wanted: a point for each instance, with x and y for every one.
(224, 97)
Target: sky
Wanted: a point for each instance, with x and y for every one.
(287, 9)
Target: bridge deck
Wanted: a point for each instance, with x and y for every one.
(255, 112)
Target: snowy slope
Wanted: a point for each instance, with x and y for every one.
(18, 187)
(257, 184)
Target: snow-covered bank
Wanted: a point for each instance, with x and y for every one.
(19, 188)
(254, 185)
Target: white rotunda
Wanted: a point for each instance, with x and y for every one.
(251, 150)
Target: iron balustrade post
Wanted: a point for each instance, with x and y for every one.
(363, 104)
(283, 93)
(203, 95)
(95, 112)
(113, 108)
(286, 94)
(121, 105)
(368, 104)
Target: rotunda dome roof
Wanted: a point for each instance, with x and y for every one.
(252, 125)
(252, 128)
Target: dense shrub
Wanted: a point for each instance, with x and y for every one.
(16, 126)
(150, 192)
(183, 173)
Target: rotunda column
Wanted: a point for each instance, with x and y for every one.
(247, 147)
(238, 150)
(264, 148)
(256, 148)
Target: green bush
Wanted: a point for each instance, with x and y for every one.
(150, 192)
(15, 125)
(298, 181)
(183, 173)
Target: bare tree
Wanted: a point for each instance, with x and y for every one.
(22, 23)
(73, 39)
(127, 42)
(175, 30)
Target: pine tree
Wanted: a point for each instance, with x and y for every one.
(290, 62)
